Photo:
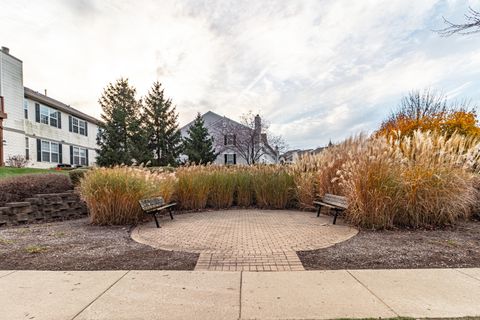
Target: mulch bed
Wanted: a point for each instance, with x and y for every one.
(77, 245)
(457, 247)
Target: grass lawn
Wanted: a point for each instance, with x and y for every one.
(6, 172)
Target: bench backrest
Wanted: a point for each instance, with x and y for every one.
(335, 200)
(152, 203)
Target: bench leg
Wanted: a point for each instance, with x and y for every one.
(318, 211)
(156, 220)
(335, 216)
(171, 213)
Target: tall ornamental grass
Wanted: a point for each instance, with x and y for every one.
(244, 187)
(194, 186)
(222, 187)
(112, 194)
(273, 186)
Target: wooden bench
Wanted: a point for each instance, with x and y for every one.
(336, 203)
(156, 205)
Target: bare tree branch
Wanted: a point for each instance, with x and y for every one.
(471, 25)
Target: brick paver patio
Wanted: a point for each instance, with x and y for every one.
(251, 240)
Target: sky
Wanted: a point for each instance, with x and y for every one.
(316, 70)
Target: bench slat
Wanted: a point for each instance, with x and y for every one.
(335, 200)
(152, 203)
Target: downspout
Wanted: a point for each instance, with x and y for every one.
(3, 115)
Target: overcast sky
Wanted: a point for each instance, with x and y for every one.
(317, 70)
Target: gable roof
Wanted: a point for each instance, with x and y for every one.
(34, 95)
(210, 118)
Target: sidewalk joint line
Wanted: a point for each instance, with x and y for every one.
(368, 289)
(466, 274)
(5, 275)
(101, 294)
(240, 298)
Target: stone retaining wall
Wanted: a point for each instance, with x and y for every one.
(43, 208)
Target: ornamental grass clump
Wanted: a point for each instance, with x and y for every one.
(427, 180)
(273, 186)
(112, 194)
(193, 187)
(244, 187)
(222, 181)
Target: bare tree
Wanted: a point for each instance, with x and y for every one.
(250, 138)
(471, 25)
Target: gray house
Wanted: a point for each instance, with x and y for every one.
(237, 143)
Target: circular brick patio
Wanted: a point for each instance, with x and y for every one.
(260, 240)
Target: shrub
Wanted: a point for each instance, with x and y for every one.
(21, 187)
(16, 161)
(76, 175)
(112, 194)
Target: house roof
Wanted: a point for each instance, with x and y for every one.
(34, 95)
(210, 118)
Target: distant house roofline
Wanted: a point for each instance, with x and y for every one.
(34, 95)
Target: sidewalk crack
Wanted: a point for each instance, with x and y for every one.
(466, 274)
(101, 294)
(240, 298)
(368, 289)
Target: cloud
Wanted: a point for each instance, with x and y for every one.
(318, 70)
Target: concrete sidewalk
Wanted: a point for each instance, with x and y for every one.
(420, 293)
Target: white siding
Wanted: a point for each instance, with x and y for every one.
(17, 128)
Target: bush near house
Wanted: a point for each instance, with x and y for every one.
(18, 188)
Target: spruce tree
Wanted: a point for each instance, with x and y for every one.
(160, 120)
(198, 146)
(120, 136)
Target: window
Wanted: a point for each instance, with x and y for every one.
(78, 126)
(44, 114)
(230, 158)
(27, 149)
(25, 108)
(229, 139)
(53, 118)
(47, 115)
(79, 156)
(50, 152)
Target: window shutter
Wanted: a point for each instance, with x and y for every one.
(225, 141)
(60, 153)
(59, 120)
(234, 139)
(70, 123)
(71, 154)
(39, 150)
(86, 128)
(37, 112)
(234, 158)
(225, 155)
(86, 153)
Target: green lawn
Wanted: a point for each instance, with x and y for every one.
(6, 172)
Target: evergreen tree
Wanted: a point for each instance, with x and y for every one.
(160, 119)
(119, 137)
(198, 146)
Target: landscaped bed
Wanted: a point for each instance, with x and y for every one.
(454, 247)
(78, 245)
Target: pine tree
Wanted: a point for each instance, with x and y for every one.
(119, 138)
(160, 119)
(198, 146)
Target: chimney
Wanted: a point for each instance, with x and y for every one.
(258, 124)
(45, 91)
(6, 50)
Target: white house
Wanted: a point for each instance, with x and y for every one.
(236, 143)
(45, 131)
